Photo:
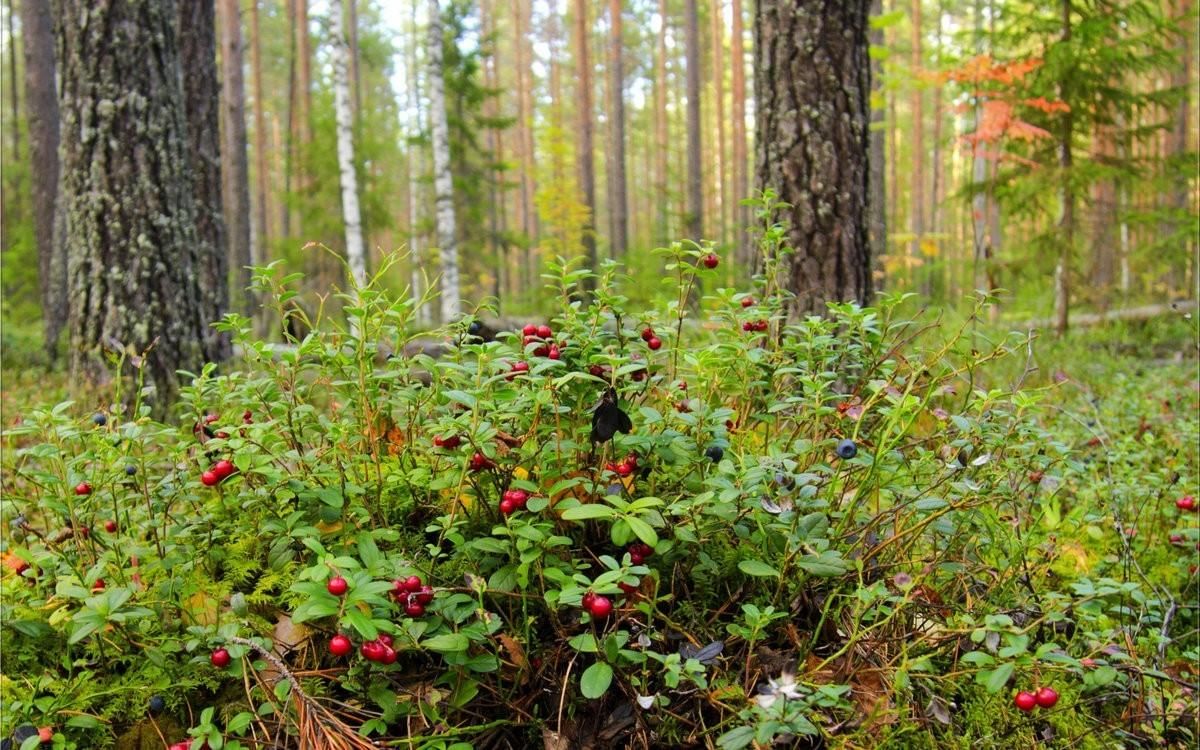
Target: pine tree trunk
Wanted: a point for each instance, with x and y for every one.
(1066, 225)
(235, 169)
(201, 92)
(661, 194)
(6, 216)
(717, 25)
(812, 86)
(618, 224)
(348, 178)
(916, 132)
(877, 203)
(127, 192)
(587, 155)
(695, 206)
(41, 109)
(258, 251)
(495, 148)
(443, 181)
(1177, 141)
(741, 161)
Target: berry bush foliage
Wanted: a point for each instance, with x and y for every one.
(859, 531)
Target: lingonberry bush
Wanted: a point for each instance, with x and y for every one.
(862, 530)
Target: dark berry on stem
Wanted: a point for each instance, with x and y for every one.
(847, 449)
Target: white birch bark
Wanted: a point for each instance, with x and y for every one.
(443, 183)
(351, 214)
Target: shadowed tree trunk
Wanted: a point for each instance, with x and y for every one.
(617, 203)
(811, 85)
(201, 93)
(587, 155)
(133, 261)
(236, 173)
(41, 109)
(695, 206)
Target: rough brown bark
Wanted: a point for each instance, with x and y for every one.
(201, 90)
(127, 191)
(41, 109)
(618, 223)
(741, 161)
(811, 85)
(587, 156)
(695, 205)
(235, 174)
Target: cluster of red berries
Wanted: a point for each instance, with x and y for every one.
(754, 325)
(413, 594)
(625, 466)
(218, 473)
(1044, 697)
(479, 462)
(652, 341)
(639, 551)
(449, 443)
(543, 333)
(1187, 502)
(379, 650)
(513, 500)
(597, 606)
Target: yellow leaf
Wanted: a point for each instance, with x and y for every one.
(929, 248)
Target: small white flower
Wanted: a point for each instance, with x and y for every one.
(783, 686)
(646, 701)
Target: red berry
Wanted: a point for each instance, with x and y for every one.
(223, 468)
(541, 351)
(747, 326)
(647, 333)
(210, 418)
(220, 658)
(639, 375)
(1187, 502)
(544, 331)
(223, 435)
(340, 645)
(425, 595)
(479, 462)
(1176, 538)
(529, 330)
(83, 488)
(655, 343)
(601, 607)
(372, 650)
(711, 260)
(45, 734)
(1046, 697)
(384, 638)
(597, 370)
(624, 469)
(1088, 661)
(507, 506)
(747, 301)
(412, 584)
(247, 418)
(414, 608)
(1025, 701)
(389, 655)
(98, 585)
(628, 589)
(527, 340)
(760, 325)
(587, 600)
(636, 558)
(209, 478)
(110, 526)
(554, 353)
(337, 586)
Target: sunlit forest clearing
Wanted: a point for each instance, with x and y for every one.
(468, 374)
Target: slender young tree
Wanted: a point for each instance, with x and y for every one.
(443, 180)
(717, 28)
(812, 75)
(235, 174)
(348, 178)
(586, 152)
(916, 133)
(660, 128)
(695, 221)
(127, 193)
(618, 221)
(41, 109)
(1066, 223)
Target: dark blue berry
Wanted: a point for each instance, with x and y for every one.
(847, 449)
(99, 420)
(157, 704)
(715, 453)
(130, 470)
(24, 732)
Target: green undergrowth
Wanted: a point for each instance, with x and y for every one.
(868, 530)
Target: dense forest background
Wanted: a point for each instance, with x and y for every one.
(573, 129)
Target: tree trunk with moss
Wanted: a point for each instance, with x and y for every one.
(812, 86)
(133, 260)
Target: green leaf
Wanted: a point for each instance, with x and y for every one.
(757, 568)
(995, 679)
(596, 679)
(827, 564)
(736, 739)
(361, 622)
(642, 529)
(447, 642)
(591, 510)
(462, 397)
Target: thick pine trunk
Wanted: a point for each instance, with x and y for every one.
(41, 109)
(695, 204)
(587, 155)
(618, 223)
(235, 166)
(812, 85)
(348, 178)
(201, 92)
(443, 182)
(127, 190)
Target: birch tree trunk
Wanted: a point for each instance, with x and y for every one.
(443, 181)
(343, 105)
